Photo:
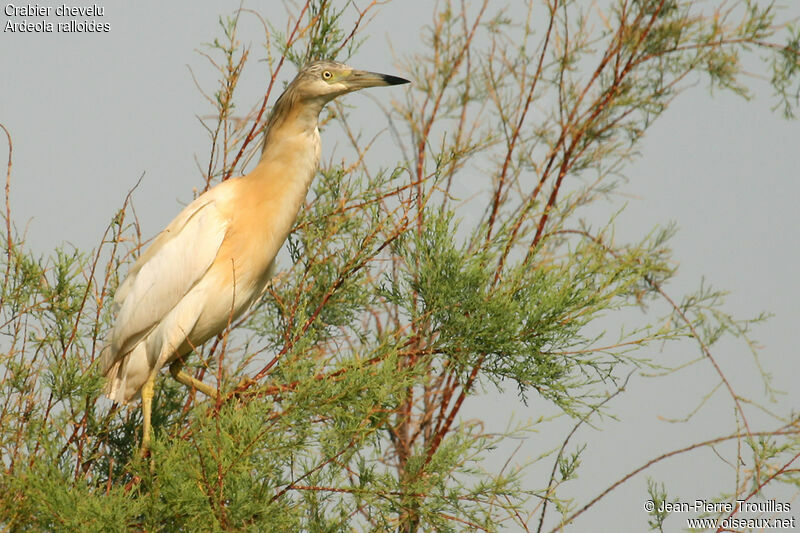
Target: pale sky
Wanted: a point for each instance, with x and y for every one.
(90, 113)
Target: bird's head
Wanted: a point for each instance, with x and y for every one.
(328, 79)
(316, 84)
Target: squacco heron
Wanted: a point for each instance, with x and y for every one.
(215, 258)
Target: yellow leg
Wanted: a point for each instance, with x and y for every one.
(189, 381)
(147, 409)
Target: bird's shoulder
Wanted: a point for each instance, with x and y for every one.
(217, 199)
(202, 223)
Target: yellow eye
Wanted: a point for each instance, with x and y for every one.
(326, 75)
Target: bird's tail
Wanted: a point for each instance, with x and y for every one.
(114, 370)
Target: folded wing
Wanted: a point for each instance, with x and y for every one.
(174, 263)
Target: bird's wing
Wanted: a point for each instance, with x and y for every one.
(175, 261)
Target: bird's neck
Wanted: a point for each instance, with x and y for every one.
(290, 117)
(291, 148)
